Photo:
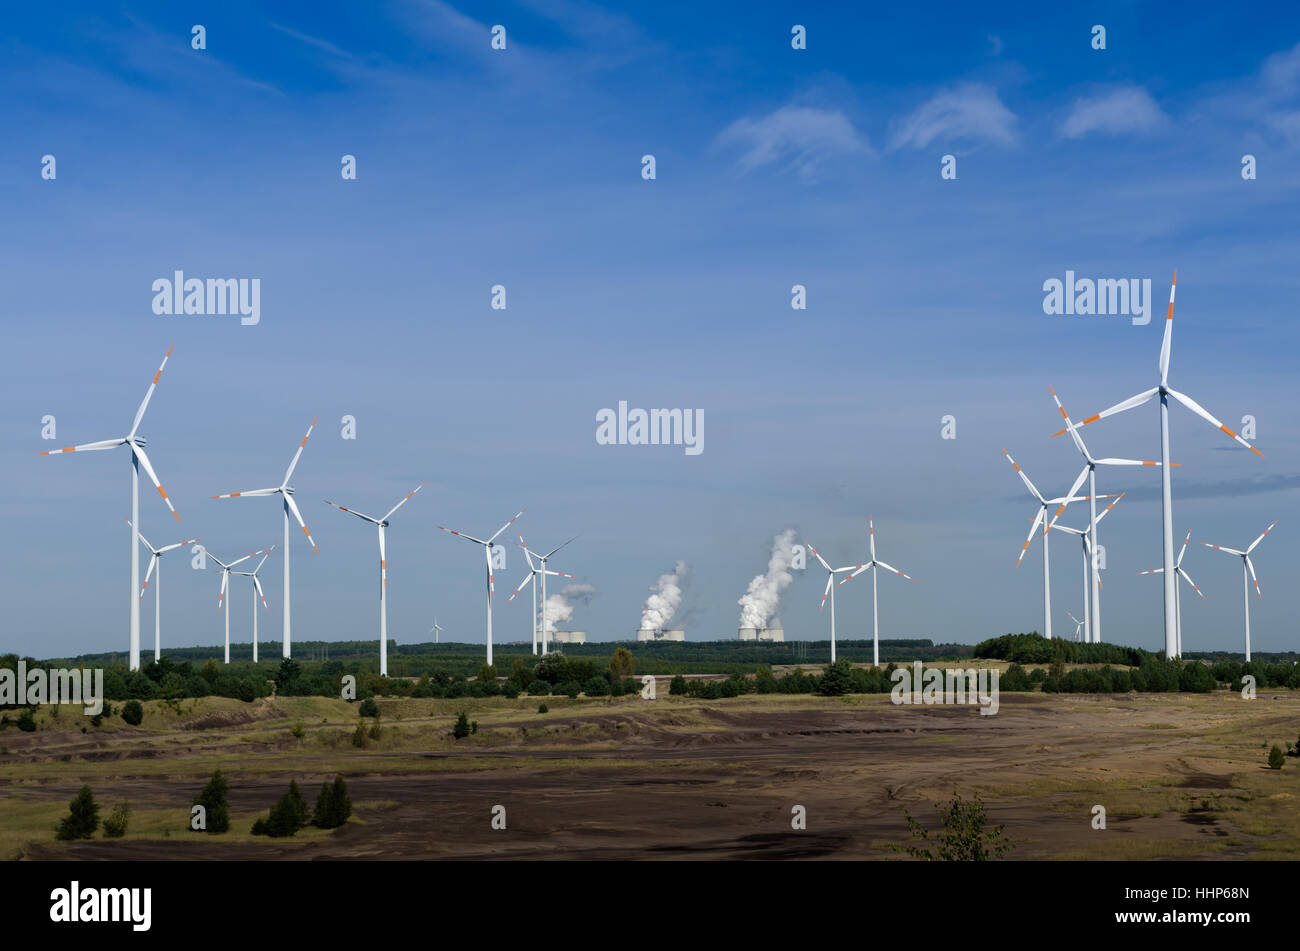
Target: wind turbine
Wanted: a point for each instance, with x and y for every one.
(1178, 598)
(830, 589)
(1092, 464)
(1245, 586)
(381, 523)
(138, 459)
(226, 571)
(1042, 517)
(285, 491)
(1164, 391)
(257, 592)
(875, 614)
(1089, 563)
(436, 630)
(491, 584)
(539, 570)
(155, 554)
(1078, 625)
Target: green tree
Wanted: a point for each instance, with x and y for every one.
(487, 674)
(368, 708)
(964, 838)
(543, 708)
(27, 722)
(82, 819)
(461, 729)
(213, 801)
(301, 810)
(677, 686)
(520, 675)
(115, 824)
(132, 712)
(835, 679)
(620, 664)
(1276, 758)
(333, 805)
(287, 674)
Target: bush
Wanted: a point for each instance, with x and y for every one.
(677, 686)
(570, 689)
(834, 680)
(963, 838)
(82, 819)
(333, 805)
(461, 729)
(297, 730)
(368, 708)
(1276, 759)
(132, 712)
(27, 722)
(620, 664)
(359, 737)
(213, 800)
(543, 708)
(115, 824)
(596, 687)
(487, 674)
(284, 818)
(539, 688)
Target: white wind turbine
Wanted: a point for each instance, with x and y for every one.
(381, 523)
(1092, 464)
(535, 571)
(1245, 586)
(491, 583)
(830, 588)
(873, 565)
(1089, 563)
(1042, 517)
(436, 630)
(138, 459)
(154, 555)
(1178, 597)
(285, 491)
(226, 571)
(1164, 391)
(257, 593)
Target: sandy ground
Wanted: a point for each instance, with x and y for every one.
(674, 779)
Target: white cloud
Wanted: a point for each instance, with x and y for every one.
(971, 111)
(796, 136)
(1121, 111)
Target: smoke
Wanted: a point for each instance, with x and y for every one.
(665, 598)
(559, 607)
(761, 601)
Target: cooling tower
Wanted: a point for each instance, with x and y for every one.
(748, 633)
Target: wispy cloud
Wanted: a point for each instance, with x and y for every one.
(798, 137)
(315, 41)
(1125, 110)
(971, 111)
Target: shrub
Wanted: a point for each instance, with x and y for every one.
(132, 712)
(834, 680)
(82, 819)
(297, 730)
(213, 801)
(368, 708)
(571, 689)
(543, 708)
(539, 688)
(359, 737)
(333, 805)
(620, 664)
(115, 824)
(677, 686)
(284, 819)
(473, 727)
(27, 722)
(461, 729)
(1276, 759)
(963, 839)
(596, 687)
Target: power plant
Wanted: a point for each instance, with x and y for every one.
(569, 637)
(762, 634)
(657, 634)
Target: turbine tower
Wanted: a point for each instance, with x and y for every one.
(539, 570)
(226, 571)
(285, 491)
(257, 593)
(1092, 464)
(1042, 517)
(491, 584)
(154, 556)
(1245, 585)
(436, 630)
(830, 588)
(1164, 391)
(1178, 597)
(873, 565)
(138, 459)
(381, 524)
(1089, 564)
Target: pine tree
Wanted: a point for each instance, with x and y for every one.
(213, 801)
(82, 819)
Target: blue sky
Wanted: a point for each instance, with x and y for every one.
(522, 167)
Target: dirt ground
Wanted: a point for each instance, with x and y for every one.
(1180, 776)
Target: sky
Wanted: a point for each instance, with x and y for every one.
(523, 167)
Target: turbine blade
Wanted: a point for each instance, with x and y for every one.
(86, 447)
(1112, 505)
(293, 507)
(830, 578)
(1028, 484)
(258, 586)
(1152, 571)
(1183, 550)
(1074, 434)
(153, 560)
(225, 576)
(148, 395)
(1130, 462)
(383, 563)
(344, 508)
(462, 535)
(554, 550)
(153, 476)
(505, 526)
(1261, 537)
(523, 584)
(289, 472)
(250, 492)
(817, 555)
(1032, 528)
(1167, 342)
(1188, 579)
(1083, 474)
(1230, 551)
(177, 545)
(895, 570)
(1200, 411)
(1251, 566)
(1127, 404)
(855, 574)
(871, 534)
(403, 502)
(527, 554)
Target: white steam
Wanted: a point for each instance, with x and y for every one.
(763, 598)
(559, 607)
(665, 598)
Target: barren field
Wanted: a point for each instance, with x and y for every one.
(1180, 776)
